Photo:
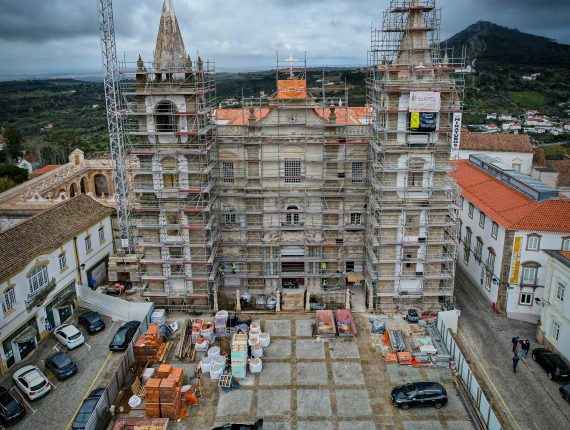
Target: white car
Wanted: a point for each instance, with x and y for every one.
(32, 382)
(69, 336)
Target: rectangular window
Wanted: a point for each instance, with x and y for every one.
(355, 219)
(471, 209)
(491, 262)
(88, 243)
(461, 202)
(62, 261)
(560, 290)
(488, 279)
(495, 230)
(9, 299)
(466, 255)
(482, 218)
(292, 171)
(357, 172)
(415, 179)
(526, 299)
(468, 235)
(529, 275)
(479, 249)
(517, 166)
(101, 235)
(230, 219)
(532, 243)
(566, 245)
(292, 219)
(555, 332)
(228, 172)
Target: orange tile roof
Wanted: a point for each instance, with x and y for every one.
(566, 255)
(508, 207)
(500, 142)
(344, 115)
(45, 169)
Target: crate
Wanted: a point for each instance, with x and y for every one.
(164, 371)
(152, 410)
(153, 390)
(177, 374)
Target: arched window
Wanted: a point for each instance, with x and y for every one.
(170, 175)
(164, 117)
(415, 173)
(38, 278)
(101, 185)
(292, 218)
(83, 185)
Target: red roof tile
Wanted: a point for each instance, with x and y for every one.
(508, 207)
(500, 142)
(344, 115)
(45, 169)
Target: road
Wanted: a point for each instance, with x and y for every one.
(527, 399)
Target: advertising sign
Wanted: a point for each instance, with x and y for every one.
(456, 135)
(425, 101)
(516, 263)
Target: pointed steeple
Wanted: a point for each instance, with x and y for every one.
(169, 52)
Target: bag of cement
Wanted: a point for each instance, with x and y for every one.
(378, 326)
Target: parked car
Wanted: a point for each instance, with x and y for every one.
(86, 410)
(258, 425)
(61, 365)
(419, 394)
(412, 316)
(552, 363)
(11, 410)
(91, 322)
(32, 382)
(565, 391)
(124, 335)
(69, 335)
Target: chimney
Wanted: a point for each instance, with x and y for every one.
(332, 115)
(252, 120)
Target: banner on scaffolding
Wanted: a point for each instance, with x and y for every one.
(292, 89)
(425, 101)
(456, 135)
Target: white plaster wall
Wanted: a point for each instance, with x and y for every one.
(504, 157)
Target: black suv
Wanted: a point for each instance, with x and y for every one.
(11, 410)
(61, 365)
(419, 394)
(552, 363)
(124, 335)
(257, 426)
(92, 322)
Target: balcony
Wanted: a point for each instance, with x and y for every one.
(40, 294)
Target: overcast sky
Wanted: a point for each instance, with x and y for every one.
(50, 36)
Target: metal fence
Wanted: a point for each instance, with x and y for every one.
(477, 395)
(328, 300)
(101, 412)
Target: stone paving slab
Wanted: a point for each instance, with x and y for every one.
(459, 425)
(309, 349)
(278, 328)
(273, 402)
(400, 375)
(353, 403)
(422, 425)
(275, 374)
(343, 348)
(314, 425)
(234, 403)
(304, 328)
(345, 373)
(356, 425)
(273, 425)
(279, 349)
(313, 373)
(313, 403)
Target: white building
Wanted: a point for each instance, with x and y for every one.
(41, 261)
(504, 228)
(555, 316)
(513, 150)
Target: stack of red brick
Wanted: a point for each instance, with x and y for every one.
(163, 395)
(150, 346)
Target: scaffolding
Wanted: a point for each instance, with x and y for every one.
(414, 90)
(172, 134)
(292, 189)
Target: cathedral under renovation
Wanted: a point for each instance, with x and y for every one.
(300, 193)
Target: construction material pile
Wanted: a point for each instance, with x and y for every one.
(141, 424)
(151, 346)
(163, 393)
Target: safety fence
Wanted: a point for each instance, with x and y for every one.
(480, 400)
(102, 412)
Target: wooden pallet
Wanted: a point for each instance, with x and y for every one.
(225, 380)
(138, 389)
(162, 356)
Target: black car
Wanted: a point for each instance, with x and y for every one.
(61, 365)
(92, 322)
(258, 425)
(412, 316)
(565, 391)
(552, 363)
(11, 410)
(419, 394)
(86, 410)
(124, 335)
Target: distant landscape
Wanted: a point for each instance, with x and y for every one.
(54, 116)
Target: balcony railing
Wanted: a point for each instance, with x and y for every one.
(41, 293)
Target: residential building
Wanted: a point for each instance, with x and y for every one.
(41, 261)
(513, 150)
(554, 328)
(507, 220)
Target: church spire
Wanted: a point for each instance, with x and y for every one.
(169, 52)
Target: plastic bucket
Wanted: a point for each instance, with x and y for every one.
(257, 351)
(214, 352)
(255, 365)
(207, 364)
(255, 326)
(255, 332)
(264, 339)
(202, 344)
(222, 315)
(207, 329)
(220, 361)
(216, 371)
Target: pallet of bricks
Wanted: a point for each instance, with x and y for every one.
(395, 348)
(163, 393)
(149, 347)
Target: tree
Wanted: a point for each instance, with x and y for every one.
(6, 184)
(13, 143)
(14, 173)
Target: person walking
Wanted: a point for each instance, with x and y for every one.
(525, 346)
(516, 359)
(515, 341)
